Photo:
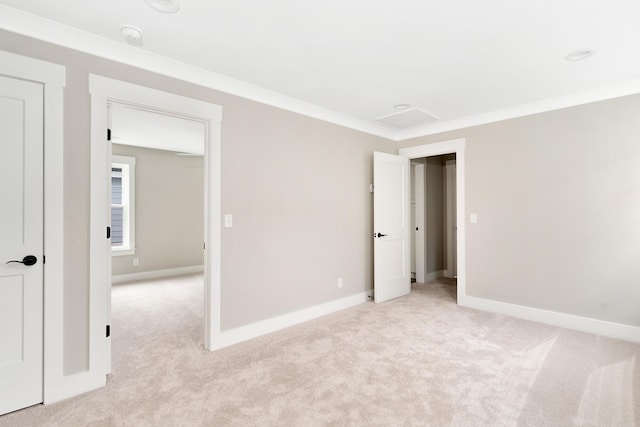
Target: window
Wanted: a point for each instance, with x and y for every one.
(123, 174)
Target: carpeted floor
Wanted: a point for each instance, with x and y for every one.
(417, 360)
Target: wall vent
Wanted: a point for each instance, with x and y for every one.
(407, 118)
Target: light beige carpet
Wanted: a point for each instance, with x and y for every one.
(418, 360)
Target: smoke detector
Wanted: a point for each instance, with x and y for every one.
(132, 35)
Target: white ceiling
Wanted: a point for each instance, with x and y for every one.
(131, 126)
(452, 59)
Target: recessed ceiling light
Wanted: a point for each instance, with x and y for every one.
(401, 106)
(579, 55)
(131, 34)
(164, 6)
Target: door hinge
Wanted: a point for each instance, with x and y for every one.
(108, 331)
(371, 188)
(204, 246)
(108, 232)
(108, 134)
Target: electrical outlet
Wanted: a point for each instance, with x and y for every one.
(339, 282)
(136, 261)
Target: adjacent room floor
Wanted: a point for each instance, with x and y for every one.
(416, 360)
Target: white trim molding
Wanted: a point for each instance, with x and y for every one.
(24, 23)
(40, 28)
(267, 326)
(156, 274)
(563, 320)
(628, 87)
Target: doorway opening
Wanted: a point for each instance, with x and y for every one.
(105, 91)
(433, 218)
(448, 160)
(157, 217)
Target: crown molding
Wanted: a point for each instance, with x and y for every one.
(40, 28)
(617, 90)
(30, 25)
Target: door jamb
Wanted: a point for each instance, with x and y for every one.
(456, 146)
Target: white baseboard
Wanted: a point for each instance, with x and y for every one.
(569, 321)
(156, 274)
(267, 326)
(434, 275)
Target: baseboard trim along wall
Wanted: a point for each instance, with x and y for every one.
(569, 321)
(155, 274)
(267, 326)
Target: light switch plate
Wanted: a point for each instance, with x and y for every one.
(473, 218)
(228, 220)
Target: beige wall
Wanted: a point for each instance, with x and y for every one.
(435, 210)
(302, 213)
(297, 187)
(169, 210)
(557, 196)
(558, 202)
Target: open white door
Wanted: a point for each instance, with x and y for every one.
(21, 243)
(391, 227)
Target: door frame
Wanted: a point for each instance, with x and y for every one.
(104, 90)
(457, 147)
(53, 78)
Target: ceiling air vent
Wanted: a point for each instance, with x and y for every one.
(406, 118)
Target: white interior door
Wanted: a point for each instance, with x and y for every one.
(21, 235)
(391, 227)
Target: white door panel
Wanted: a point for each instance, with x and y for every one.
(11, 164)
(11, 327)
(392, 256)
(391, 223)
(21, 234)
